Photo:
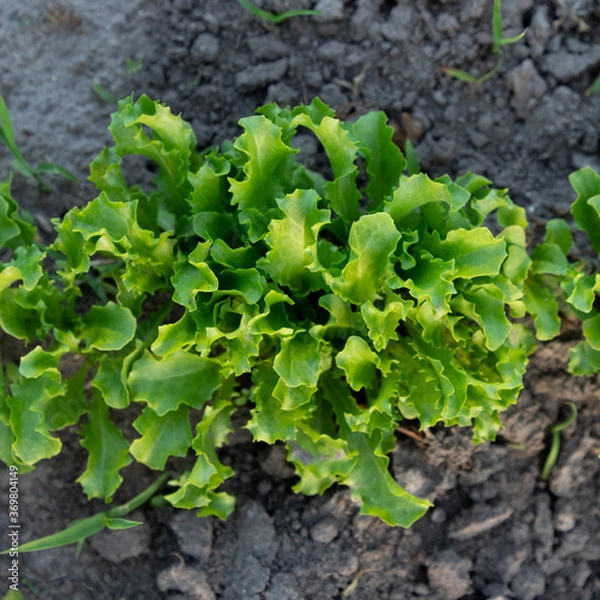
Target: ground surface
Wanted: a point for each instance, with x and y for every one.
(497, 531)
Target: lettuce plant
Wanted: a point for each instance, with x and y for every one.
(558, 286)
(336, 304)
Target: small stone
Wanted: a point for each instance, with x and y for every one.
(256, 532)
(252, 577)
(565, 67)
(260, 76)
(448, 573)
(332, 10)
(565, 518)
(205, 48)
(276, 464)
(324, 531)
(447, 23)
(194, 534)
(283, 586)
(264, 487)
(281, 94)
(119, 545)
(332, 51)
(400, 27)
(528, 583)
(332, 95)
(267, 47)
(412, 126)
(540, 31)
(191, 582)
(183, 5)
(527, 87)
(477, 521)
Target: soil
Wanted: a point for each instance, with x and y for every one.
(497, 530)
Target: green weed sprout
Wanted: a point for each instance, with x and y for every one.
(19, 163)
(273, 18)
(555, 443)
(85, 528)
(499, 42)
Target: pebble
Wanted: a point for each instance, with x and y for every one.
(528, 583)
(539, 31)
(281, 94)
(527, 87)
(275, 464)
(194, 534)
(119, 545)
(283, 586)
(447, 23)
(260, 76)
(332, 51)
(400, 25)
(256, 532)
(267, 47)
(474, 522)
(324, 531)
(448, 573)
(190, 582)
(333, 10)
(205, 48)
(565, 66)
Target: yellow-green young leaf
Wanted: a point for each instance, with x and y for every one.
(247, 283)
(301, 360)
(19, 322)
(358, 362)
(431, 281)
(209, 185)
(175, 336)
(476, 252)
(371, 483)
(385, 162)
(558, 232)
(14, 232)
(488, 311)
(70, 244)
(382, 324)
(342, 192)
(584, 360)
(28, 403)
(320, 460)
(179, 378)
(24, 266)
(586, 209)
(108, 327)
(189, 280)
(580, 292)
(549, 259)
(591, 331)
(109, 381)
(265, 156)
(107, 453)
(269, 421)
(234, 258)
(415, 191)
(170, 147)
(541, 304)
(208, 472)
(66, 409)
(169, 435)
(373, 239)
(41, 362)
(292, 398)
(342, 321)
(289, 239)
